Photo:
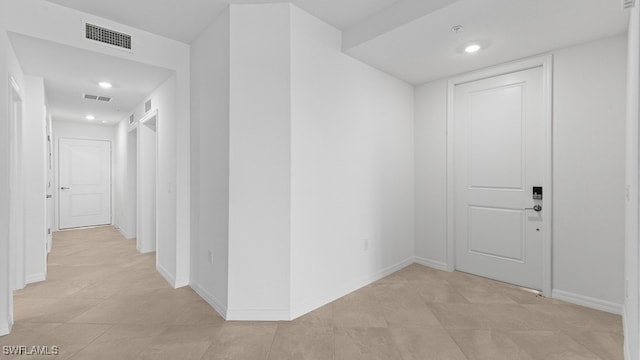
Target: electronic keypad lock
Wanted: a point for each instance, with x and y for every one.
(537, 193)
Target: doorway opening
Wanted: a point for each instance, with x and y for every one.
(147, 148)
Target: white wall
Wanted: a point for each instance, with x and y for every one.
(589, 151)
(9, 67)
(431, 173)
(125, 180)
(632, 257)
(259, 173)
(588, 177)
(307, 153)
(147, 195)
(210, 162)
(35, 179)
(352, 178)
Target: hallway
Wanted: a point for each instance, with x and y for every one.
(103, 300)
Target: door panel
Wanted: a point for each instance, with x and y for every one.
(499, 157)
(496, 164)
(85, 183)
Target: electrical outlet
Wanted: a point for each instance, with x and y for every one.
(366, 245)
(211, 257)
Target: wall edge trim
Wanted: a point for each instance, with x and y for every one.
(215, 303)
(434, 264)
(34, 278)
(166, 275)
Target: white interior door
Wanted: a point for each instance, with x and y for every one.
(84, 183)
(499, 156)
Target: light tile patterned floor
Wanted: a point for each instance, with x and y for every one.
(103, 300)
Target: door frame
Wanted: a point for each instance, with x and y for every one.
(56, 180)
(546, 63)
(17, 244)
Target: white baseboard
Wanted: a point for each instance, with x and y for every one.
(166, 275)
(5, 327)
(344, 290)
(587, 301)
(145, 251)
(438, 265)
(216, 304)
(627, 334)
(124, 233)
(258, 315)
(36, 278)
(181, 282)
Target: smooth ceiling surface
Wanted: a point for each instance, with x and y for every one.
(427, 49)
(69, 72)
(183, 20)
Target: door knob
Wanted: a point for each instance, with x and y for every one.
(536, 208)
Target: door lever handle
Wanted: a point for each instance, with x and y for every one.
(536, 208)
(64, 188)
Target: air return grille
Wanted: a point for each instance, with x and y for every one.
(107, 36)
(96, 97)
(628, 4)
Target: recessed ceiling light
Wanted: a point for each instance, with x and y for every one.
(90, 117)
(472, 48)
(104, 121)
(105, 85)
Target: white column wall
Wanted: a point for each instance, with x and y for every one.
(35, 180)
(259, 158)
(210, 162)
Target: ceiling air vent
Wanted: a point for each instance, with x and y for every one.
(96, 97)
(147, 106)
(107, 36)
(628, 4)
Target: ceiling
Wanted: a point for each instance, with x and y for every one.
(70, 72)
(409, 39)
(184, 20)
(426, 48)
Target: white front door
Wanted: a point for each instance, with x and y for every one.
(499, 139)
(84, 183)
